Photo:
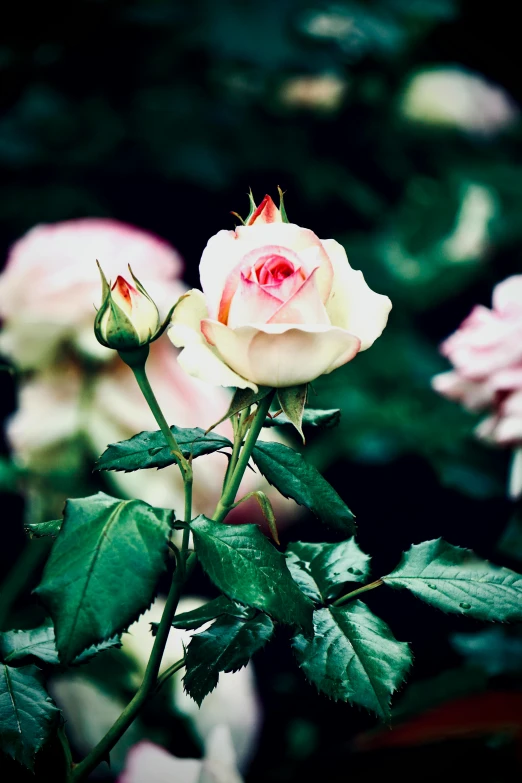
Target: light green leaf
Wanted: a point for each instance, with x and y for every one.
(226, 646)
(354, 656)
(456, 580)
(42, 529)
(210, 611)
(311, 418)
(321, 569)
(248, 568)
(27, 713)
(39, 644)
(103, 569)
(150, 449)
(294, 478)
(242, 399)
(292, 400)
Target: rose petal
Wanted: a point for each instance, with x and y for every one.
(472, 394)
(251, 302)
(507, 296)
(197, 359)
(224, 253)
(304, 307)
(279, 356)
(148, 762)
(267, 212)
(352, 304)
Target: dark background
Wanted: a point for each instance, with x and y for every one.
(163, 114)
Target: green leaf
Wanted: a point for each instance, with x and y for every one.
(150, 449)
(456, 580)
(42, 529)
(296, 479)
(311, 418)
(224, 647)
(39, 644)
(321, 569)
(210, 611)
(27, 713)
(242, 399)
(103, 569)
(248, 568)
(292, 400)
(354, 656)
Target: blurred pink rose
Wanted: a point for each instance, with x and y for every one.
(67, 405)
(486, 352)
(50, 284)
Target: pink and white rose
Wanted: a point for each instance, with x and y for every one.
(279, 307)
(486, 353)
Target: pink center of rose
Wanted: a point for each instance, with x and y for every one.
(272, 269)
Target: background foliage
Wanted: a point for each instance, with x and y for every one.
(163, 114)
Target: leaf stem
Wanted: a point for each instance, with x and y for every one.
(164, 676)
(232, 485)
(143, 382)
(348, 597)
(150, 678)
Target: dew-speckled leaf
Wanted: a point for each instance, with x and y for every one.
(42, 529)
(248, 568)
(103, 569)
(294, 478)
(226, 646)
(321, 569)
(456, 580)
(353, 656)
(27, 713)
(151, 450)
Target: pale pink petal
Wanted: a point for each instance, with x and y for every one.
(473, 395)
(278, 355)
(267, 212)
(251, 303)
(352, 304)
(507, 296)
(304, 307)
(148, 763)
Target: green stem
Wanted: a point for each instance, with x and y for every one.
(238, 442)
(164, 676)
(143, 382)
(230, 490)
(148, 685)
(364, 589)
(66, 752)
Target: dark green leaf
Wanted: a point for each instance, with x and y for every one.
(311, 418)
(27, 713)
(242, 399)
(292, 400)
(354, 656)
(295, 478)
(321, 569)
(456, 580)
(41, 529)
(248, 568)
(210, 611)
(103, 569)
(39, 644)
(150, 449)
(224, 647)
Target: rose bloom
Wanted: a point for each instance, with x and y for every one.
(78, 395)
(486, 353)
(279, 307)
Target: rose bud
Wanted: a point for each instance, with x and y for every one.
(128, 318)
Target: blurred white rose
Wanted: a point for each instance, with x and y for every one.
(319, 92)
(453, 97)
(148, 763)
(234, 702)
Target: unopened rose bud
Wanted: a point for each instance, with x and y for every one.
(128, 318)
